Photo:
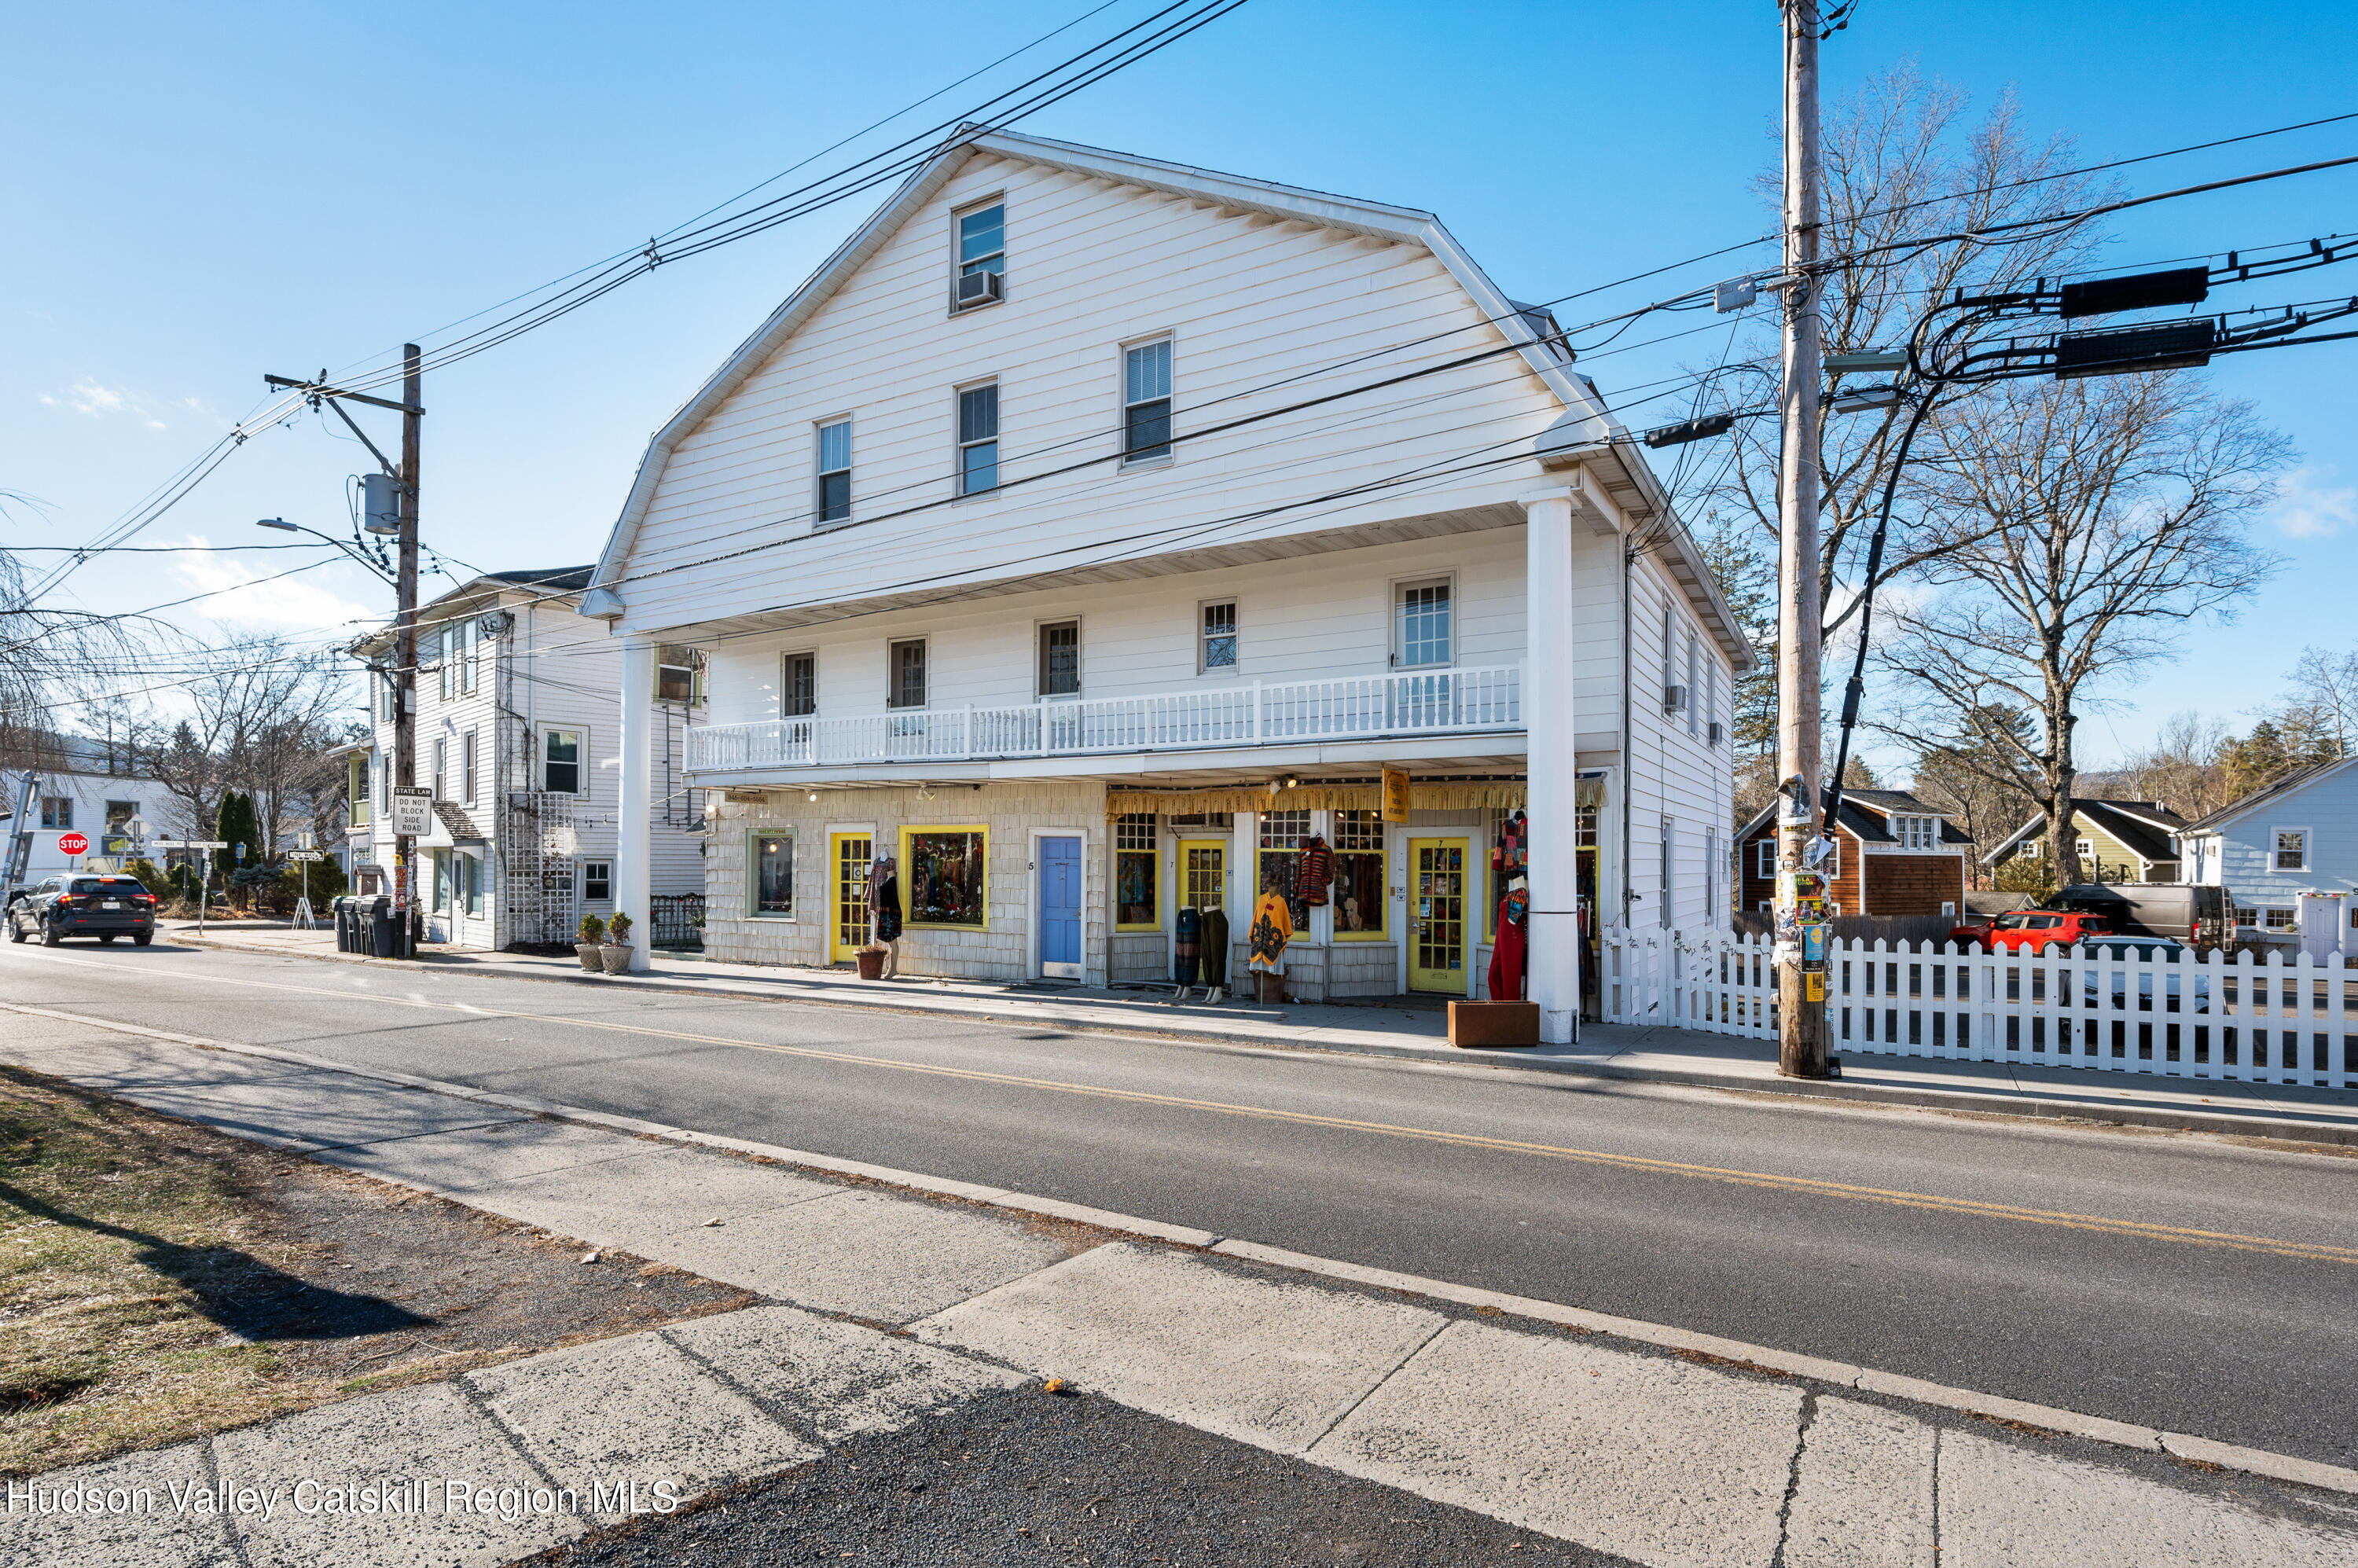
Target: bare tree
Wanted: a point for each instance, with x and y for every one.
(2093, 518)
(1902, 166)
(2323, 698)
(260, 718)
(2180, 768)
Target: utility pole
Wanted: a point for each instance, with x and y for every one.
(1801, 1017)
(405, 658)
(403, 678)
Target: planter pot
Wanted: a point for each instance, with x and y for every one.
(588, 953)
(1268, 989)
(870, 962)
(1479, 1023)
(616, 959)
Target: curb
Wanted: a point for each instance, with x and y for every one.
(2278, 1129)
(1865, 1379)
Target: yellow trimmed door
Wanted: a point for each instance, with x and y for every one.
(1203, 873)
(1438, 898)
(849, 854)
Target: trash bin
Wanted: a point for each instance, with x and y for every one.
(384, 929)
(343, 911)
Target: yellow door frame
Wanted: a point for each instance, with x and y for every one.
(1181, 894)
(1442, 981)
(844, 938)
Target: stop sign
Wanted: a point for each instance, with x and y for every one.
(73, 844)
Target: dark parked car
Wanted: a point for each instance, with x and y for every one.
(2176, 912)
(73, 905)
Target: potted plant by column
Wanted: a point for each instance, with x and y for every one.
(870, 960)
(616, 954)
(588, 939)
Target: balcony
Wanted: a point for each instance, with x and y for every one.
(1271, 713)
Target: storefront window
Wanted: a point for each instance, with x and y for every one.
(773, 874)
(1358, 894)
(1137, 864)
(943, 875)
(1282, 833)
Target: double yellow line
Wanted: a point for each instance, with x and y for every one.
(1803, 1186)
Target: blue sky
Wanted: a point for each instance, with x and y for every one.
(198, 196)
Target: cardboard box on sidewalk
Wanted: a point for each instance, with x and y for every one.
(1473, 1023)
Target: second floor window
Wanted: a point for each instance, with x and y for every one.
(798, 687)
(679, 673)
(561, 761)
(441, 770)
(466, 767)
(1060, 659)
(905, 671)
(1146, 402)
(1219, 640)
(835, 471)
(56, 811)
(2291, 850)
(979, 440)
(1424, 624)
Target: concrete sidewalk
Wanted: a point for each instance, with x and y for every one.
(891, 1297)
(1420, 1029)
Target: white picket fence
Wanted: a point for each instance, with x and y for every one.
(2210, 1017)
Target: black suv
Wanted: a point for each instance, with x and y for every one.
(71, 905)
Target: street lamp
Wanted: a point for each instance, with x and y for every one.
(285, 526)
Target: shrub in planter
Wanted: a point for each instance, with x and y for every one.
(591, 943)
(616, 954)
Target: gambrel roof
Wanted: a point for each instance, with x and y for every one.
(1622, 475)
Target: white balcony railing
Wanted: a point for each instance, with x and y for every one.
(1262, 713)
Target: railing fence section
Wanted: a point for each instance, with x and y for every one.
(2206, 1016)
(678, 920)
(1256, 713)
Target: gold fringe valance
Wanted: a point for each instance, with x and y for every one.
(1499, 795)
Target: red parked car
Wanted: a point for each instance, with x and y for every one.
(2035, 930)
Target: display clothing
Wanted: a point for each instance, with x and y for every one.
(1506, 979)
(1216, 947)
(885, 899)
(1272, 929)
(1316, 873)
(1186, 948)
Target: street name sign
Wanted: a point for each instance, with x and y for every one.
(306, 855)
(413, 811)
(192, 843)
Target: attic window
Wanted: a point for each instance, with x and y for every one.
(981, 257)
(1917, 832)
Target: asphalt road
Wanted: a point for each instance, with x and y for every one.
(2174, 1281)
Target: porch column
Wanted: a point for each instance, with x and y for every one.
(1554, 961)
(635, 818)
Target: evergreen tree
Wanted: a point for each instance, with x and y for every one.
(235, 825)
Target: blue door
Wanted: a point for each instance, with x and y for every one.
(1060, 908)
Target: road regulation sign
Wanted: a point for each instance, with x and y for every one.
(413, 811)
(73, 844)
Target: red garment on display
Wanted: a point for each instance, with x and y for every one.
(1318, 871)
(1506, 960)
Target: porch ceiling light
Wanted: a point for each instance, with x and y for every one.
(814, 795)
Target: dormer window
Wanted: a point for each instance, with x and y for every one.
(981, 276)
(1917, 832)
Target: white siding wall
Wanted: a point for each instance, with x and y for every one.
(1674, 774)
(1323, 616)
(1091, 265)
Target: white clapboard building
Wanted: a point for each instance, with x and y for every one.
(1090, 533)
(519, 737)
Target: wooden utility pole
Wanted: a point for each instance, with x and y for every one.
(1801, 1021)
(404, 657)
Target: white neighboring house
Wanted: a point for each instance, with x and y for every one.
(2299, 834)
(517, 737)
(91, 792)
(1013, 559)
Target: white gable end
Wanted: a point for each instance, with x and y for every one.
(1249, 299)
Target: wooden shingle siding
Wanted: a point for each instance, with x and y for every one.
(1914, 884)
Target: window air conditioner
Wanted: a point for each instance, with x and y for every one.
(1718, 733)
(1674, 699)
(977, 288)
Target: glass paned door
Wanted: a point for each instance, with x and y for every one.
(1436, 960)
(1203, 873)
(851, 856)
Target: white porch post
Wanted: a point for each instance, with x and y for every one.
(636, 829)
(1554, 961)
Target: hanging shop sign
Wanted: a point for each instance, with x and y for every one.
(1396, 795)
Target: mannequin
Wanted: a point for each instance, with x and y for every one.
(1215, 956)
(1186, 952)
(884, 910)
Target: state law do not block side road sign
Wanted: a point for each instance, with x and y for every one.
(413, 811)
